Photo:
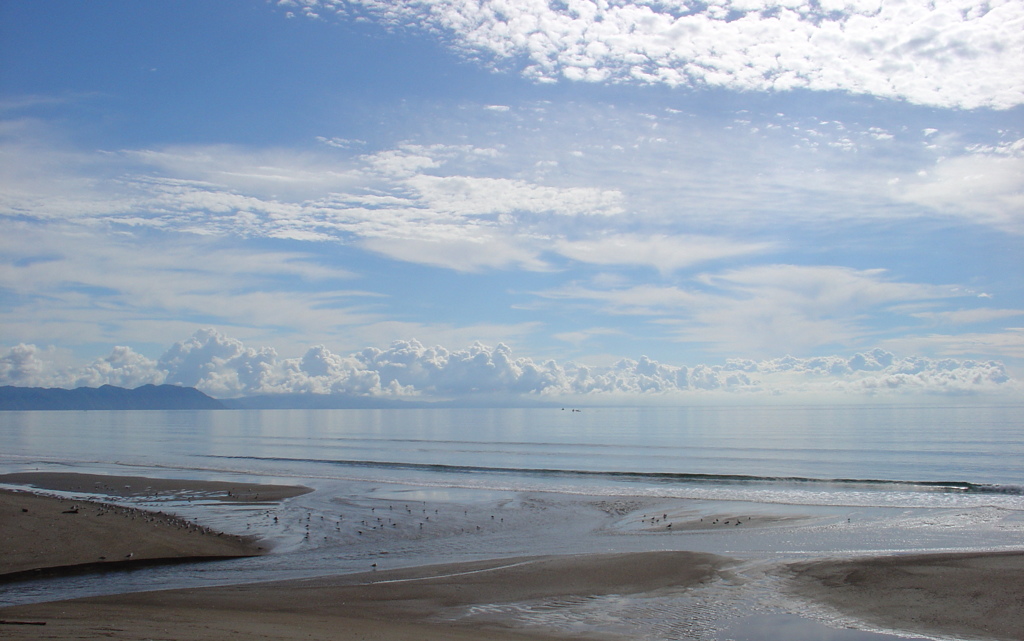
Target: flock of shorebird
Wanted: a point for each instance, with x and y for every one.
(655, 520)
(100, 509)
(403, 519)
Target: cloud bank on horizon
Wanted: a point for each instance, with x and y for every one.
(224, 367)
(782, 191)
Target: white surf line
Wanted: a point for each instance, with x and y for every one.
(446, 576)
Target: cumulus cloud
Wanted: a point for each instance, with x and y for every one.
(22, 365)
(946, 53)
(123, 367)
(219, 365)
(225, 367)
(29, 366)
(878, 371)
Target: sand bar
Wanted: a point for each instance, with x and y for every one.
(46, 532)
(156, 489)
(973, 595)
(42, 532)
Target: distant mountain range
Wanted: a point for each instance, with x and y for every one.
(108, 397)
(175, 397)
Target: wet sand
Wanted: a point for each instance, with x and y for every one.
(967, 595)
(973, 595)
(40, 532)
(419, 603)
(153, 489)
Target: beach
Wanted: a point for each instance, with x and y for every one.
(40, 532)
(154, 488)
(966, 595)
(421, 603)
(969, 595)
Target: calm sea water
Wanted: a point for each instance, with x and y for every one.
(707, 451)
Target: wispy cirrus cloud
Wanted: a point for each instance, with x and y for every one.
(659, 251)
(968, 316)
(444, 206)
(766, 309)
(652, 186)
(985, 182)
(403, 203)
(69, 283)
(1008, 342)
(946, 53)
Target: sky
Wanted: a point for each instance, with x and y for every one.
(606, 201)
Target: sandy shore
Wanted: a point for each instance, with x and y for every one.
(974, 595)
(153, 489)
(423, 603)
(40, 532)
(45, 532)
(964, 595)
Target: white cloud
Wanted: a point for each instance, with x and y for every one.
(646, 299)
(341, 143)
(385, 200)
(968, 316)
(469, 196)
(28, 366)
(986, 184)
(464, 250)
(878, 372)
(123, 367)
(225, 367)
(947, 53)
(219, 365)
(22, 365)
(265, 173)
(401, 163)
(438, 205)
(1009, 343)
(76, 285)
(827, 289)
(41, 177)
(582, 336)
(473, 208)
(664, 253)
(765, 309)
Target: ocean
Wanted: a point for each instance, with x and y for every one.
(831, 481)
(713, 451)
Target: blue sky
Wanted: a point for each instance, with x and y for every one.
(555, 199)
